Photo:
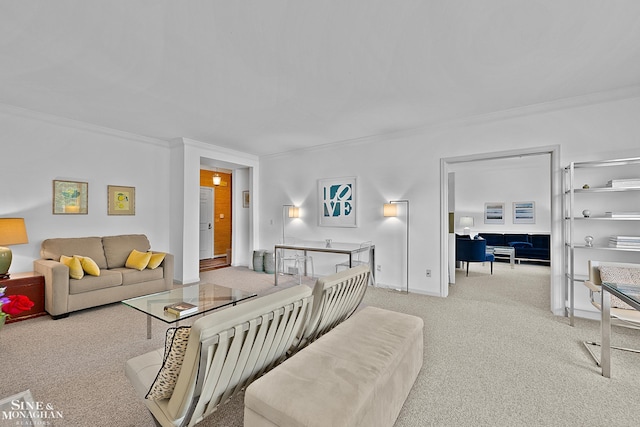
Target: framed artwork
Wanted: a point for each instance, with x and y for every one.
(121, 200)
(245, 199)
(524, 212)
(337, 202)
(70, 198)
(493, 213)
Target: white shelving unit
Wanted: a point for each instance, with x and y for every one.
(598, 198)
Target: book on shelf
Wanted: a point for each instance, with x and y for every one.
(632, 242)
(624, 183)
(181, 308)
(622, 214)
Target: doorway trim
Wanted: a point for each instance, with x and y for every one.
(558, 294)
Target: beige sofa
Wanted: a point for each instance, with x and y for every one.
(64, 295)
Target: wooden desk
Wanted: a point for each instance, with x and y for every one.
(31, 285)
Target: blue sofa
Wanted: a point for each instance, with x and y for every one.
(528, 247)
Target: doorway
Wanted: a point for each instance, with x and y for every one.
(206, 223)
(557, 290)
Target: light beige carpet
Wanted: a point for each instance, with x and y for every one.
(494, 356)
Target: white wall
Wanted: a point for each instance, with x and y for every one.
(36, 149)
(516, 179)
(406, 165)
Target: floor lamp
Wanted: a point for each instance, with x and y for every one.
(391, 209)
(288, 211)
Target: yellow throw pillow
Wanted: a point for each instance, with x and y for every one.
(88, 265)
(138, 260)
(156, 259)
(75, 266)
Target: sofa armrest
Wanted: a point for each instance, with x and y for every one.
(56, 285)
(167, 266)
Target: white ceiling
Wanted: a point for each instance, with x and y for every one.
(271, 76)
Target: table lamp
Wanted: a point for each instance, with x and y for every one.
(466, 222)
(12, 232)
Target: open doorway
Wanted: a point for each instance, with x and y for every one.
(553, 199)
(215, 218)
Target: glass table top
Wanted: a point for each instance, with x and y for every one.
(628, 293)
(206, 296)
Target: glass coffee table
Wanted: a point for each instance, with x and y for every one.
(206, 296)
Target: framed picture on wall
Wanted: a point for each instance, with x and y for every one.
(337, 202)
(121, 200)
(494, 213)
(70, 197)
(524, 212)
(245, 199)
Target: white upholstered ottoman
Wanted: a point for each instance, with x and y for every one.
(359, 374)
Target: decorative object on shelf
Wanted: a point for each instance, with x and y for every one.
(585, 187)
(121, 200)
(70, 197)
(12, 304)
(328, 242)
(494, 213)
(586, 213)
(337, 202)
(588, 241)
(12, 232)
(524, 212)
(466, 222)
(624, 242)
(622, 215)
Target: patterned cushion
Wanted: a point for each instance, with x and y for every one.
(175, 346)
(623, 276)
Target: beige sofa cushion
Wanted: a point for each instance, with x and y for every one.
(118, 248)
(131, 276)
(84, 246)
(107, 279)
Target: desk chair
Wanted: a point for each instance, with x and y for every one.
(298, 258)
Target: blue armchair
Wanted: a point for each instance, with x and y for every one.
(473, 250)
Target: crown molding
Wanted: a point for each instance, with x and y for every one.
(77, 124)
(627, 92)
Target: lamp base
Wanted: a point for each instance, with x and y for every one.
(466, 231)
(5, 262)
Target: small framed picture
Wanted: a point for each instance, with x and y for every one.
(245, 199)
(121, 200)
(70, 198)
(493, 213)
(524, 212)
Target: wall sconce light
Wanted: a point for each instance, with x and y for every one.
(391, 209)
(466, 222)
(12, 232)
(294, 212)
(217, 179)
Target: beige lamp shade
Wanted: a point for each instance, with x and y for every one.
(12, 232)
(294, 212)
(390, 209)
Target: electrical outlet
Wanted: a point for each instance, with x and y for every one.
(378, 267)
(428, 273)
